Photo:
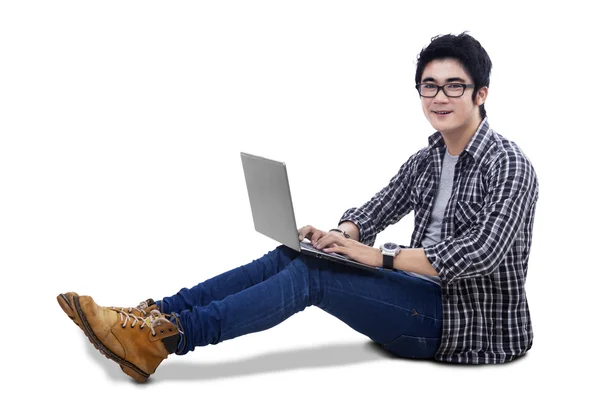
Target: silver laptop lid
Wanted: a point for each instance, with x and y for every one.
(270, 199)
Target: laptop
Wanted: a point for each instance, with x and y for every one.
(272, 209)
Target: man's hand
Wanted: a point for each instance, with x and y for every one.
(337, 243)
(313, 234)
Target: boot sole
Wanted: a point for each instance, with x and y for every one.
(127, 367)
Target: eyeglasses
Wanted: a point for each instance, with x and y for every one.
(430, 90)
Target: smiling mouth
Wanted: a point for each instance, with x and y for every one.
(442, 112)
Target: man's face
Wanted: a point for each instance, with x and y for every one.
(451, 114)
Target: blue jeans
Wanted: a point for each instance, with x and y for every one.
(401, 312)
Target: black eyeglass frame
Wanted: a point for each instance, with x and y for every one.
(465, 86)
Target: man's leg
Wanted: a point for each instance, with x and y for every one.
(230, 282)
(401, 312)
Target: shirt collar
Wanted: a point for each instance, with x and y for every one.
(476, 146)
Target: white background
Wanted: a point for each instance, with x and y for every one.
(121, 124)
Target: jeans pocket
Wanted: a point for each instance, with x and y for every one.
(413, 347)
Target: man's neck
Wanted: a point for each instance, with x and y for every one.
(456, 141)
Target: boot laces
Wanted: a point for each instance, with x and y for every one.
(140, 307)
(154, 319)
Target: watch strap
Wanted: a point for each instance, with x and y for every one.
(388, 261)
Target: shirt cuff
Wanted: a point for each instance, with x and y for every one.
(364, 229)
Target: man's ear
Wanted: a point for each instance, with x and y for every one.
(481, 95)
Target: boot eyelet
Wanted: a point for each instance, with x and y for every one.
(154, 334)
(170, 329)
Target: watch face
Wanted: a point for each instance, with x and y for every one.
(390, 246)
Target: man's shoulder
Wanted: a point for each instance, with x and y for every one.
(422, 153)
(417, 160)
(503, 149)
(420, 156)
(505, 154)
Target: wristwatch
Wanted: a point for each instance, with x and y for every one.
(389, 251)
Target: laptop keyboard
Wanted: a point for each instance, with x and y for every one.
(309, 246)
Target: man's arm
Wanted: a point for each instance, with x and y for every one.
(386, 207)
(414, 260)
(351, 229)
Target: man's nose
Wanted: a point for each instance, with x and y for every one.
(440, 97)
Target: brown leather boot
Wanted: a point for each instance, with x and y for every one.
(137, 344)
(65, 300)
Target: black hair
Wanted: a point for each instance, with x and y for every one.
(464, 48)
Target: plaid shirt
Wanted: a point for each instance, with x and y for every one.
(485, 240)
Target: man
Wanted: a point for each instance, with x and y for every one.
(457, 294)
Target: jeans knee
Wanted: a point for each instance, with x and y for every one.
(308, 275)
(285, 255)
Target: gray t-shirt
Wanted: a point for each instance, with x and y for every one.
(433, 233)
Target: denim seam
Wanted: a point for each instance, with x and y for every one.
(386, 303)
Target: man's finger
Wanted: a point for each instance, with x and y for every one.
(304, 232)
(326, 241)
(316, 236)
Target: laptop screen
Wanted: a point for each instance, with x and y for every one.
(270, 199)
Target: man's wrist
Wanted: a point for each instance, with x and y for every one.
(351, 229)
(346, 235)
